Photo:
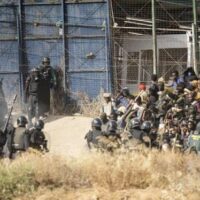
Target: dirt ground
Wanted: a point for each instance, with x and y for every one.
(66, 135)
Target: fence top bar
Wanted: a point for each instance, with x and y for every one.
(50, 3)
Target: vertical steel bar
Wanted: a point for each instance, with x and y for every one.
(194, 41)
(107, 62)
(20, 47)
(195, 37)
(194, 11)
(153, 5)
(109, 49)
(64, 44)
(140, 67)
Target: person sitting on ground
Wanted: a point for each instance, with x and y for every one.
(138, 108)
(153, 89)
(189, 76)
(107, 106)
(104, 121)
(113, 116)
(184, 133)
(143, 93)
(124, 98)
(175, 79)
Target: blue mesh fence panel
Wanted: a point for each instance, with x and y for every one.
(41, 20)
(42, 36)
(9, 56)
(10, 85)
(36, 50)
(87, 27)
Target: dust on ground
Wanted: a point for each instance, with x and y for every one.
(66, 135)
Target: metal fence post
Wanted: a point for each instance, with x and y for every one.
(20, 48)
(154, 36)
(108, 48)
(64, 44)
(195, 37)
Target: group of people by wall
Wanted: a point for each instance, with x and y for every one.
(164, 114)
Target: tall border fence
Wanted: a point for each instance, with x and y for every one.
(75, 35)
(153, 36)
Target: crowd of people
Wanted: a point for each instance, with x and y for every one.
(163, 115)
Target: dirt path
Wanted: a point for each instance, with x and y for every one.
(67, 135)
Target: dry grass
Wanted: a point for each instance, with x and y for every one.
(88, 107)
(170, 176)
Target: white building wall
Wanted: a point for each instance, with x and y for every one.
(138, 43)
(133, 43)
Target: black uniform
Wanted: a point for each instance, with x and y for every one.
(18, 140)
(92, 137)
(38, 140)
(48, 81)
(33, 83)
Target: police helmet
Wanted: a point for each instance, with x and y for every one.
(35, 69)
(35, 73)
(134, 123)
(46, 60)
(39, 124)
(146, 126)
(112, 126)
(22, 121)
(96, 123)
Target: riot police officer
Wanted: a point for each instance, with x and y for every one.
(110, 140)
(92, 135)
(37, 137)
(32, 94)
(134, 129)
(18, 138)
(148, 137)
(48, 81)
(112, 128)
